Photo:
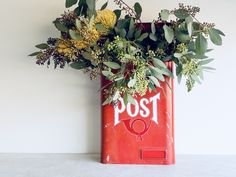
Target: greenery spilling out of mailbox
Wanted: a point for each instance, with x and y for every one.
(130, 54)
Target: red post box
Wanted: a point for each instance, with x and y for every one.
(142, 133)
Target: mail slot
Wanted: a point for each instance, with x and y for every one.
(153, 154)
(142, 133)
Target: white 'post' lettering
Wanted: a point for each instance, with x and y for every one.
(119, 110)
(154, 107)
(136, 109)
(144, 112)
(139, 108)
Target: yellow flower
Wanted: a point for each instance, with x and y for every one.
(106, 17)
(65, 48)
(79, 44)
(89, 35)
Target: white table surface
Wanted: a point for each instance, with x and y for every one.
(87, 165)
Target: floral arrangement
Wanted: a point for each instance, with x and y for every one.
(129, 53)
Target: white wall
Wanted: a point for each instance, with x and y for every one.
(58, 111)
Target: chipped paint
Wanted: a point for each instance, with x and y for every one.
(108, 158)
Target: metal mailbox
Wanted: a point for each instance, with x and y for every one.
(142, 133)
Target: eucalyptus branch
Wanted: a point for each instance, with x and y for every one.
(195, 19)
(105, 86)
(126, 7)
(130, 11)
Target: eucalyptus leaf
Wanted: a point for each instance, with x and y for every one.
(178, 55)
(122, 33)
(179, 69)
(78, 65)
(91, 8)
(208, 68)
(137, 34)
(190, 55)
(104, 6)
(201, 45)
(107, 73)
(91, 22)
(197, 56)
(142, 37)
(123, 23)
(87, 56)
(112, 65)
(155, 81)
(34, 54)
(125, 98)
(119, 78)
(155, 70)
(179, 77)
(82, 8)
(75, 35)
(116, 96)
(182, 25)
(160, 77)
(61, 27)
(70, 3)
(169, 33)
(42, 46)
(195, 78)
(100, 27)
(107, 101)
(200, 73)
(91, 4)
(131, 83)
(153, 27)
(181, 13)
(205, 62)
(158, 62)
(118, 13)
(189, 22)
(163, 71)
(209, 50)
(78, 24)
(131, 99)
(167, 72)
(191, 46)
(151, 86)
(220, 32)
(215, 36)
(133, 50)
(168, 58)
(165, 14)
(131, 28)
(153, 37)
(138, 10)
(182, 35)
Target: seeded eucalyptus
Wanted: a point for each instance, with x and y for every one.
(130, 54)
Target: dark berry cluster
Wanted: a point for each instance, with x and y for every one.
(192, 10)
(59, 60)
(52, 41)
(68, 19)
